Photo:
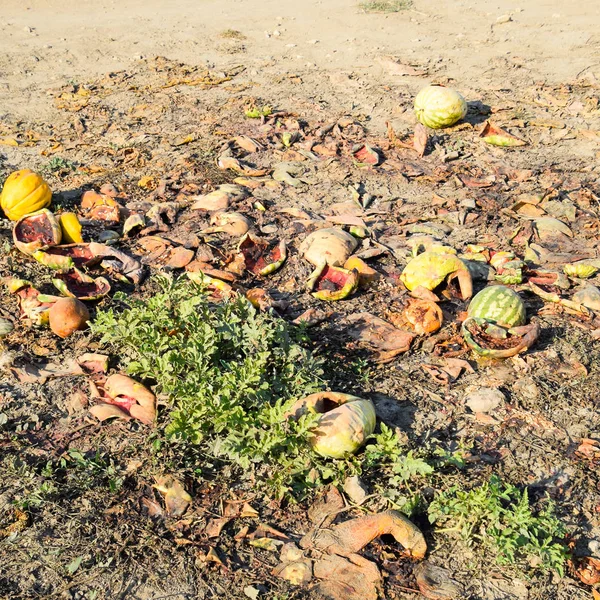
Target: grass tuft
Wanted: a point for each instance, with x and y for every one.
(232, 34)
(385, 6)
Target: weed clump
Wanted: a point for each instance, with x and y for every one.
(385, 6)
(228, 371)
(498, 516)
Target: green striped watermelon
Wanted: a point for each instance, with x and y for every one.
(498, 304)
(437, 106)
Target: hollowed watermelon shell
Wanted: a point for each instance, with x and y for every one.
(36, 231)
(332, 283)
(66, 256)
(75, 284)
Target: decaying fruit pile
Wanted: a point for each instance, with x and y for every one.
(443, 258)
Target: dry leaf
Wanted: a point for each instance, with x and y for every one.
(212, 556)
(39, 374)
(587, 570)
(215, 526)
(477, 182)
(152, 507)
(177, 499)
(420, 138)
(378, 335)
(248, 512)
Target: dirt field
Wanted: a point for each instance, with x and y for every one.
(147, 96)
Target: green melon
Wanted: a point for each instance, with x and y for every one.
(498, 304)
(437, 106)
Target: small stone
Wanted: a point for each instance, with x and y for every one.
(277, 33)
(503, 19)
(484, 400)
(312, 42)
(355, 489)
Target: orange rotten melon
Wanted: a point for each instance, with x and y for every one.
(24, 192)
(68, 315)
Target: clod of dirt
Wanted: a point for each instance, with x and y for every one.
(355, 489)
(435, 583)
(484, 400)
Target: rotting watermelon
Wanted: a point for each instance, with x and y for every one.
(498, 304)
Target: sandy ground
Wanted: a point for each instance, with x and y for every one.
(44, 43)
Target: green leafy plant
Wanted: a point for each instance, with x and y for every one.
(57, 163)
(398, 467)
(385, 6)
(229, 373)
(498, 515)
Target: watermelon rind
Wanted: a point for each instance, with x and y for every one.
(498, 304)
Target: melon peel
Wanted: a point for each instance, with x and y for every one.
(126, 398)
(76, 284)
(24, 192)
(352, 536)
(331, 246)
(37, 231)
(331, 283)
(492, 341)
(432, 268)
(345, 423)
(258, 258)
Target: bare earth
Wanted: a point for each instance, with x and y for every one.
(45, 43)
(109, 91)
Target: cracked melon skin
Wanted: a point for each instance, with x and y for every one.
(500, 305)
(437, 106)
